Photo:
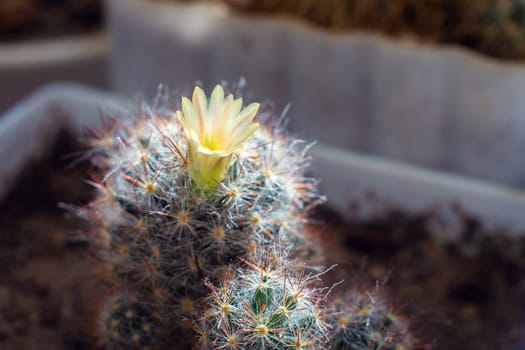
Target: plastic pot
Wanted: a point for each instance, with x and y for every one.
(27, 65)
(357, 185)
(441, 107)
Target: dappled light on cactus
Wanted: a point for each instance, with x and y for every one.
(183, 196)
(265, 307)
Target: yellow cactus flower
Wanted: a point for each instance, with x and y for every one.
(215, 131)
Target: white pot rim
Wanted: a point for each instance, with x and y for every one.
(348, 177)
(53, 51)
(345, 176)
(26, 127)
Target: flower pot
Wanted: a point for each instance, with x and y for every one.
(359, 187)
(27, 128)
(376, 184)
(441, 107)
(362, 187)
(26, 65)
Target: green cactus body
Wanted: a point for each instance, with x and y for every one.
(129, 325)
(364, 321)
(175, 221)
(263, 308)
(163, 233)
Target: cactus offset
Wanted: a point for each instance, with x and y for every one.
(264, 307)
(364, 320)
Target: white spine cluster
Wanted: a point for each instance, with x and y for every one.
(169, 212)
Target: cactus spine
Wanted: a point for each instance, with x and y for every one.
(263, 307)
(183, 195)
(199, 214)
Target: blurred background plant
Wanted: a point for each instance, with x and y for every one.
(31, 19)
(42, 41)
(492, 27)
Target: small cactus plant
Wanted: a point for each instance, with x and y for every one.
(264, 307)
(200, 215)
(183, 194)
(364, 320)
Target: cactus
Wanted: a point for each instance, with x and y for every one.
(200, 216)
(364, 320)
(183, 195)
(128, 325)
(264, 307)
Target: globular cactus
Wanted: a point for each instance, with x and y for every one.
(183, 194)
(364, 320)
(200, 215)
(265, 306)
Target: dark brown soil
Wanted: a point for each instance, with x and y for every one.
(467, 295)
(35, 19)
(51, 289)
(49, 286)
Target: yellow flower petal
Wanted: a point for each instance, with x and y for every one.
(200, 103)
(216, 100)
(214, 131)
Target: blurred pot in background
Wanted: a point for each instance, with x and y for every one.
(357, 187)
(48, 40)
(438, 106)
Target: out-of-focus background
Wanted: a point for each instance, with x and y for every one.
(42, 41)
(418, 107)
(402, 76)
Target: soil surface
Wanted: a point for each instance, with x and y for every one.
(50, 288)
(35, 19)
(465, 295)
